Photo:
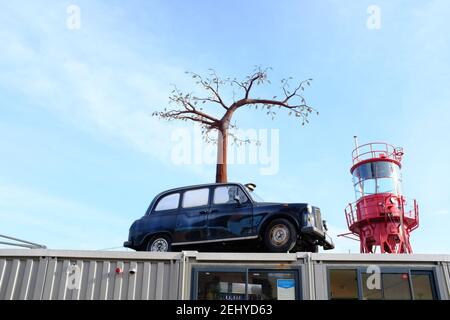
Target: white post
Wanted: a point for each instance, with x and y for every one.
(356, 145)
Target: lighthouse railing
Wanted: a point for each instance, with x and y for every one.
(350, 214)
(376, 150)
(410, 211)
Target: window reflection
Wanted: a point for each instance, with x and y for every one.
(376, 177)
(271, 286)
(261, 285)
(227, 194)
(195, 198)
(422, 284)
(368, 290)
(169, 202)
(221, 286)
(343, 284)
(396, 286)
(393, 285)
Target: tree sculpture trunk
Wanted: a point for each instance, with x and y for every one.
(221, 167)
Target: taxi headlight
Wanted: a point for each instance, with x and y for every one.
(311, 220)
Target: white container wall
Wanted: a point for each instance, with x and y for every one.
(37, 274)
(65, 275)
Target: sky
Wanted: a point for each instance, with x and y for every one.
(81, 157)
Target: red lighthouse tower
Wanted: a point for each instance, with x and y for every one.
(381, 217)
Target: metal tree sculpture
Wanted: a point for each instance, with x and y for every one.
(189, 107)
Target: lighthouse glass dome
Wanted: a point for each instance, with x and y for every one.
(376, 177)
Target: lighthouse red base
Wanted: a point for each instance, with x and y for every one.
(390, 241)
(383, 223)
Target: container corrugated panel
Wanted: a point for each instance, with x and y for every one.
(95, 278)
(22, 278)
(98, 280)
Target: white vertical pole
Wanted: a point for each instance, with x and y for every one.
(356, 145)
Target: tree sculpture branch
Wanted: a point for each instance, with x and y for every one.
(189, 107)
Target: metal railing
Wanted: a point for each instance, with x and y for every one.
(21, 243)
(410, 211)
(350, 214)
(376, 150)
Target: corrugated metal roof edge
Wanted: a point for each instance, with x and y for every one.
(91, 254)
(224, 256)
(238, 256)
(358, 257)
(199, 256)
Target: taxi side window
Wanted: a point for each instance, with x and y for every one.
(168, 202)
(226, 194)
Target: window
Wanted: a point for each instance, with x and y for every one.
(423, 285)
(364, 171)
(396, 286)
(195, 198)
(370, 292)
(263, 285)
(168, 202)
(376, 177)
(226, 194)
(246, 284)
(387, 185)
(343, 284)
(221, 286)
(255, 197)
(378, 169)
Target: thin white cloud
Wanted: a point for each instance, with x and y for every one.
(65, 73)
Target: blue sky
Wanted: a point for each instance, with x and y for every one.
(81, 158)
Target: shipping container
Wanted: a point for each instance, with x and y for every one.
(40, 274)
